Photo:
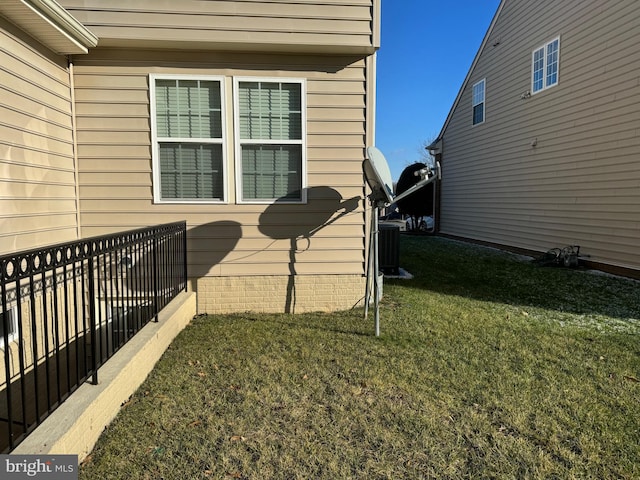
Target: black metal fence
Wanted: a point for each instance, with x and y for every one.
(66, 309)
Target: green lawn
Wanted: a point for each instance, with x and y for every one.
(487, 367)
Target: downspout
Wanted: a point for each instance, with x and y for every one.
(370, 140)
(74, 135)
(370, 114)
(371, 66)
(435, 149)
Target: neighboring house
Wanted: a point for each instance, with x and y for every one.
(247, 119)
(541, 148)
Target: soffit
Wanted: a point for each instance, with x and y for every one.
(50, 24)
(253, 47)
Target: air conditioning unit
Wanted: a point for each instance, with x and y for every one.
(389, 249)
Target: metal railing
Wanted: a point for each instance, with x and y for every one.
(66, 309)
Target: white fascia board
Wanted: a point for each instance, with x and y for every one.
(51, 24)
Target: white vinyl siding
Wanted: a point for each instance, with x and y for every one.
(188, 139)
(270, 139)
(478, 102)
(545, 65)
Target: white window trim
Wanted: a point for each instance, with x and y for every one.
(544, 66)
(484, 101)
(155, 154)
(237, 143)
(14, 321)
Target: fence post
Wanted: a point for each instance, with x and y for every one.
(156, 300)
(184, 249)
(92, 319)
(7, 355)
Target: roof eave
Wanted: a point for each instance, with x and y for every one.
(257, 47)
(49, 23)
(473, 65)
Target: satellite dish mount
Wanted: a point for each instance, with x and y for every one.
(378, 177)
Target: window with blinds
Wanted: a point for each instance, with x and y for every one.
(270, 124)
(188, 133)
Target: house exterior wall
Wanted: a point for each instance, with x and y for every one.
(66, 182)
(37, 170)
(306, 25)
(233, 240)
(59, 182)
(560, 166)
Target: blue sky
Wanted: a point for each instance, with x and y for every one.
(426, 50)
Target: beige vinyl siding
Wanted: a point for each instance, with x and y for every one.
(115, 169)
(37, 176)
(561, 167)
(302, 25)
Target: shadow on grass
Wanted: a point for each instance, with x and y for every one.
(456, 268)
(347, 323)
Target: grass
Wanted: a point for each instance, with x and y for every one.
(487, 367)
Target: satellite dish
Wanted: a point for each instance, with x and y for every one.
(378, 176)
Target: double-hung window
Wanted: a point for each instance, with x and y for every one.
(270, 139)
(188, 139)
(478, 102)
(544, 66)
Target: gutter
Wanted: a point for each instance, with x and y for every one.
(52, 12)
(435, 147)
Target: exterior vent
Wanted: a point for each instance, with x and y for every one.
(389, 249)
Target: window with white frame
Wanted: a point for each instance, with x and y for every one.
(8, 324)
(270, 139)
(188, 135)
(478, 102)
(544, 66)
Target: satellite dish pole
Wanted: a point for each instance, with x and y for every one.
(373, 265)
(378, 177)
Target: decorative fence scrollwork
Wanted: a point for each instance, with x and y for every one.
(66, 309)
